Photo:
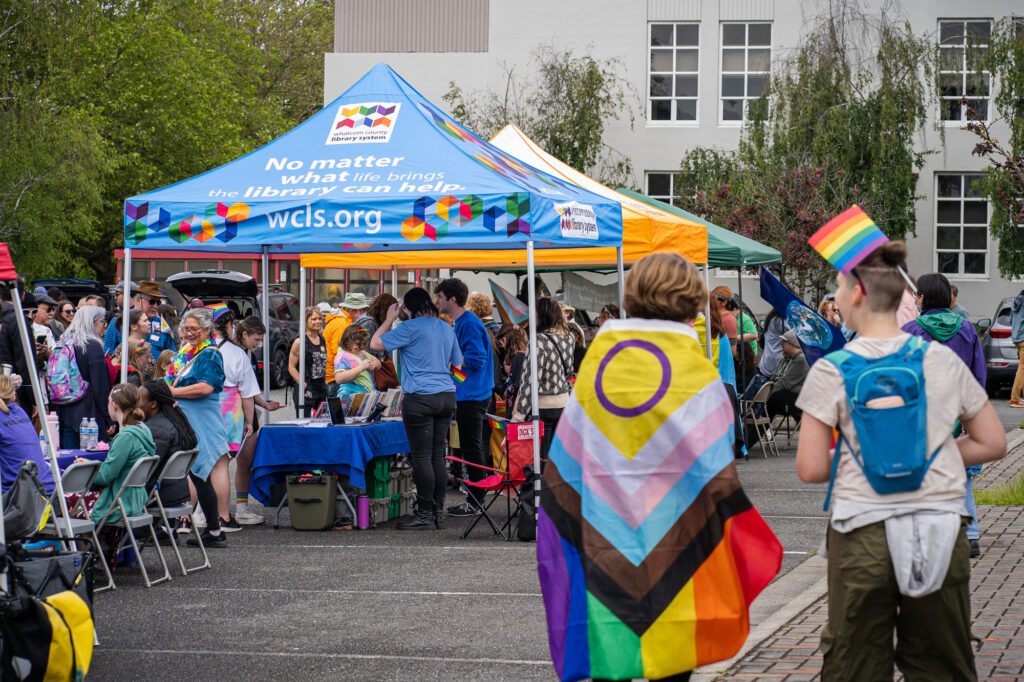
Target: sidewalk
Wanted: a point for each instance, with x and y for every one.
(997, 597)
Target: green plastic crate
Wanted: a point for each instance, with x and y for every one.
(378, 477)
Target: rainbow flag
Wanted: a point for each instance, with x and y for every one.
(847, 239)
(459, 375)
(495, 424)
(510, 309)
(218, 309)
(649, 552)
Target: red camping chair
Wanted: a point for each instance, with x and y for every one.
(506, 479)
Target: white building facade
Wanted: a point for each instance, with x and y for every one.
(695, 65)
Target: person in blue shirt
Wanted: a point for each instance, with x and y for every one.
(428, 352)
(147, 298)
(19, 441)
(473, 394)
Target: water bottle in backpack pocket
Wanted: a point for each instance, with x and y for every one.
(889, 410)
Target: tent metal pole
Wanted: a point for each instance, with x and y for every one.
(126, 308)
(394, 281)
(742, 374)
(37, 395)
(707, 311)
(534, 415)
(265, 315)
(620, 269)
(302, 344)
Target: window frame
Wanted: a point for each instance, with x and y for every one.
(720, 100)
(960, 275)
(672, 185)
(964, 73)
(651, 121)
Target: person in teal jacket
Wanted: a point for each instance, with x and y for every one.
(132, 443)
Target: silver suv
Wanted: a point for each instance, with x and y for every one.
(1000, 351)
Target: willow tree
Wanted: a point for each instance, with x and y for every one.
(562, 100)
(839, 124)
(1003, 62)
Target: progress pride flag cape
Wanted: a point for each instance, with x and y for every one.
(648, 550)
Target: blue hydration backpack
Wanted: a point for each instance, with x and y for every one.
(893, 438)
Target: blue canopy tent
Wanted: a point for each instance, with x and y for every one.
(379, 168)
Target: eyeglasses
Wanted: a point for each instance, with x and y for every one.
(152, 301)
(68, 311)
(191, 330)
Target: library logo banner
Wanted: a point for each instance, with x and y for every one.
(364, 122)
(577, 221)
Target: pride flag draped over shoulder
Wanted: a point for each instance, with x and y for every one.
(648, 550)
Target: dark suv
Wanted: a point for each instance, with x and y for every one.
(239, 291)
(1000, 351)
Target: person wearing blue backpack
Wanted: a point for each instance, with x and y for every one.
(896, 544)
(939, 322)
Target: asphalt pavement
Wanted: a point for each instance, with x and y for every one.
(379, 604)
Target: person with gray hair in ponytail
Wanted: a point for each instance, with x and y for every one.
(83, 339)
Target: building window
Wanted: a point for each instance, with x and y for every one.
(746, 62)
(961, 44)
(961, 225)
(674, 72)
(661, 185)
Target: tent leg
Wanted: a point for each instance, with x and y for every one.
(534, 390)
(621, 271)
(394, 281)
(302, 344)
(265, 315)
(37, 396)
(126, 308)
(707, 311)
(742, 374)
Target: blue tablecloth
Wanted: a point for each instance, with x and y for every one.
(345, 450)
(66, 457)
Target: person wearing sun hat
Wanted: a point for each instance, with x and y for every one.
(334, 326)
(147, 298)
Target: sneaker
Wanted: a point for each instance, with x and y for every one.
(230, 526)
(467, 508)
(1016, 403)
(184, 527)
(209, 540)
(199, 518)
(975, 548)
(248, 518)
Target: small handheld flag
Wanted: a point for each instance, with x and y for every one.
(218, 309)
(495, 424)
(848, 239)
(459, 375)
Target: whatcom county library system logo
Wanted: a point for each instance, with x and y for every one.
(577, 221)
(363, 122)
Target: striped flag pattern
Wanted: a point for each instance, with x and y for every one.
(649, 551)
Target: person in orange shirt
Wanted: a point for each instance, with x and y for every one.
(351, 308)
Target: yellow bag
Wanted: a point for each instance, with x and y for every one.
(49, 639)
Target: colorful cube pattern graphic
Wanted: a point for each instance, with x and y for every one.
(218, 221)
(433, 218)
(366, 116)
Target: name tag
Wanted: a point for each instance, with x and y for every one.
(154, 338)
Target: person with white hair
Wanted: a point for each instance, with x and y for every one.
(84, 338)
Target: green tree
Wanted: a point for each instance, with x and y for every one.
(838, 126)
(134, 95)
(562, 101)
(1004, 181)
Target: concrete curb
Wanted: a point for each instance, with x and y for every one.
(776, 606)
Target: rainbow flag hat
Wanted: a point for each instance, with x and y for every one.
(848, 239)
(218, 309)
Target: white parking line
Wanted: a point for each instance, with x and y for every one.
(772, 516)
(290, 590)
(319, 654)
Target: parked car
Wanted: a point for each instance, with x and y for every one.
(1000, 352)
(240, 293)
(76, 289)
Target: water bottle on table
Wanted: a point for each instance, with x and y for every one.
(94, 434)
(83, 434)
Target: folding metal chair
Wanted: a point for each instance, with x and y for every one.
(137, 477)
(176, 468)
(792, 424)
(755, 413)
(504, 480)
(77, 479)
